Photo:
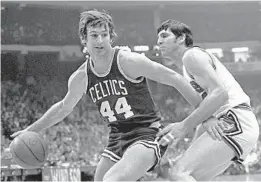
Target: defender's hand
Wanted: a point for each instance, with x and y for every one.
(215, 128)
(174, 131)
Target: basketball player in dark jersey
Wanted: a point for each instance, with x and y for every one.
(116, 82)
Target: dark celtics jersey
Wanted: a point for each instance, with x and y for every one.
(121, 100)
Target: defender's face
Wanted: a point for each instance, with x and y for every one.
(167, 42)
(98, 40)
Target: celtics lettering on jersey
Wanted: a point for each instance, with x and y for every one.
(107, 88)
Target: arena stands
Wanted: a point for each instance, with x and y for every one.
(34, 79)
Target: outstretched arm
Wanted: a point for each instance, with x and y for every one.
(61, 109)
(139, 65)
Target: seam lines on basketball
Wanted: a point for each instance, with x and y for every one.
(21, 158)
(45, 153)
(30, 150)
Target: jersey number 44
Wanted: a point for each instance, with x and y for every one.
(121, 107)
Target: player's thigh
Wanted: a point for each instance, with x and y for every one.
(136, 161)
(103, 166)
(204, 155)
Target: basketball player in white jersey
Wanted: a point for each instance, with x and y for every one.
(116, 82)
(224, 103)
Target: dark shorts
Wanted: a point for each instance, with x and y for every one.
(121, 140)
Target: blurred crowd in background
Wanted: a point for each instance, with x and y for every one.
(33, 81)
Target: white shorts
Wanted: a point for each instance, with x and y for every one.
(206, 158)
(243, 132)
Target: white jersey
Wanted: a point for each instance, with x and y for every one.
(236, 95)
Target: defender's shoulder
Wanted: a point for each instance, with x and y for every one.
(191, 52)
(194, 55)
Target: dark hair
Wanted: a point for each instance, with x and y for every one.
(95, 18)
(178, 29)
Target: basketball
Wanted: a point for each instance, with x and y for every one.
(29, 150)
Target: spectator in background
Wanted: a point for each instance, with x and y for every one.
(30, 81)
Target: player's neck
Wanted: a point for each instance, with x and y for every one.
(177, 57)
(102, 62)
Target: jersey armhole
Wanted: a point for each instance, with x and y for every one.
(186, 73)
(212, 62)
(139, 80)
(211, 57)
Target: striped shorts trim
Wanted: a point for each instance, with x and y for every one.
(112, 156)
(236, 147)
(149, 144)
(231, 118)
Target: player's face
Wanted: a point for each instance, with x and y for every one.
(167, 42)
(98, 40)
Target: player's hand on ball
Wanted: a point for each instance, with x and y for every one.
(172, 132)
(215, 128)
(18, 133)
(29, 150)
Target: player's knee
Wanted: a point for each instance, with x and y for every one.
(199, 176)
(178, 172)
(110, 178)
(106, 179)
(115, 176)
(98, 177)
(178, 168)
(177, 176)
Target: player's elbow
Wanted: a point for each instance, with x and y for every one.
(65, 107)
(168, 77)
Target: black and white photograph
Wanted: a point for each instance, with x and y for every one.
(130, 91)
